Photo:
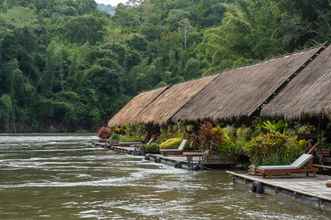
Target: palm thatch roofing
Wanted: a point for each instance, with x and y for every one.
(309, 93)
(128, 114)
(172, 100)
(241, 92)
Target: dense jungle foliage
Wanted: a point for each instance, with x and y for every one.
(67, 66)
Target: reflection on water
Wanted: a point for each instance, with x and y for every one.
(52, 179)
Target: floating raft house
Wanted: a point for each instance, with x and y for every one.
(308, 94)
(241, 92)
(290, 87)
(172, 100)
(128, 114)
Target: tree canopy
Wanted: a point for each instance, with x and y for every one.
(67, 66)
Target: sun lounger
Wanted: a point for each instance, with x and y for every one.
(301, 165)
(177, 151)
(133, 143)
(140, 144)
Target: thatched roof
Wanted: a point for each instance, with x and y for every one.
(172, 100)
(240, 92)
(309, 93)
(128, 114)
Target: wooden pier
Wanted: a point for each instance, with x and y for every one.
(176, 161)
(101, 144)
(132, 150)
(190, 163)
(307, 190)
(182, 161)
(127, 150)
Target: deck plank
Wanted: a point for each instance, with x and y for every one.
(310, 186)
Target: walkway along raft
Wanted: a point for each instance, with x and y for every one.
(310, 191)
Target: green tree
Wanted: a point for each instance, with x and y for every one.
(84, 29)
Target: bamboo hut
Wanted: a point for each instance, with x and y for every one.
(172, 100)
(128, 114)
(241, 92)
(308, 94)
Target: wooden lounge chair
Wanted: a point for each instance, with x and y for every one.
(133, 143)
(301, 165)
(177, 151)
(140, 144)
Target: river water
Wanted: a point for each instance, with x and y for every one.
(65, 177)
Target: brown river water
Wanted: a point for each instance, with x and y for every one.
(65, 177)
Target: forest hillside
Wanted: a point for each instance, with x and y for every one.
(65, 65)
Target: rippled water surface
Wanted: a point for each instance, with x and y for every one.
(65, 177)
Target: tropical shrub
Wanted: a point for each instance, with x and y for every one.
(306, 131)
(278, 126)
(274, 148)
(171, 143)
(153, 148)
(118, 130)
(294, 147)
(172, 131)
(243, 135)
(234, 140)
(217, 135)
(115, 137)
(210, 137)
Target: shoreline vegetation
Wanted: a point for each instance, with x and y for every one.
(66, 66)
(263, 142)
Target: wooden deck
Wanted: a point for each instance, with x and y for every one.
(121, 149)
(101, 144)
(176, 161)
(195, 164)
(308, 190)
(127, 150)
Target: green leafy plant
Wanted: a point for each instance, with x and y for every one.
(210, 137)
(274, 148)
(153, 148)
(305, 131)
(172, 131)
(234, 141)
(115, 137)
(279, 126)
